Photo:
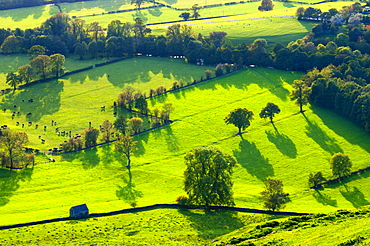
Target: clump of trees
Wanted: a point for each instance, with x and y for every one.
(12, 152)
(41, 66)
(207, 178)
(266, 5)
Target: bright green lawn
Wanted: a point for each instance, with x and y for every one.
(75, 100)
(299, 145)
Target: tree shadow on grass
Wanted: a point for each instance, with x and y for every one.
(90, 158)
(341, 126)
(46, 100)
(10, 182)
(249, 156)
(109, 155)
(354, 196)
(211, 224)
(155, 12)
(282, 142)
(324, 199)
(127, 192)
(171, 139)
(321, 138)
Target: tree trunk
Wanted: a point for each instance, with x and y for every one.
(271, 119)
(240, 130)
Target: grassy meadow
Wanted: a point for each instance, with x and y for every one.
(289, 150)
(86, 93)
(11, 63)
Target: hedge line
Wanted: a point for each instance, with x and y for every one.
(157, 206)
(337, 180)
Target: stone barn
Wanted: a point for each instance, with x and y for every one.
(80, 211)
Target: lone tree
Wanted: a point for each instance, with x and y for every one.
(127, 146)
(240, 118)
(315, 178)
(91, 135)
(269, 111)
(207, 178)
(195, 9)
(137, 3)
(300, 93)
(185, 15)
(340, 164)
(13, 79)
(266, 5)
(135, 123)
(273, 195)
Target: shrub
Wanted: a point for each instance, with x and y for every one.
(182, 200)
(133, 204)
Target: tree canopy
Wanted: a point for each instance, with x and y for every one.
(207, 178)
(340, 164)
(239, 117)
(273, 195)
(269, 111)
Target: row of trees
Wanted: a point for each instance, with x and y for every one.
(40, 67)
(340, 164)
(108, 131)
(207, 181)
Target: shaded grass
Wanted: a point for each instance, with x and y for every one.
(12, 62)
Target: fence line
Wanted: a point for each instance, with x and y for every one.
(156, 206)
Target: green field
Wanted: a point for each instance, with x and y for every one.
(300, 144)
(86, 93)
(158, 227)
(12, 62)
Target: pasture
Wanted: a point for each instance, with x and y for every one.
(295, 146)
(76, 100)
(157, 227)
(12, 62)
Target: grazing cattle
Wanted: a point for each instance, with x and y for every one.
(22, 125)
(29, 114)
(30, 123)
(37, 126)
(15, 106)
(17, 123)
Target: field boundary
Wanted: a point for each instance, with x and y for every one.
(337, 180)
(153, 207)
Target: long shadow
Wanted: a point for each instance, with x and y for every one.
(321, 138)
(9, 182)
(90, 158)
(324, 199)
(249, 156)
(356, 135)
(211, 224)
(46, 100)
(155, 12)
(171, 139)
(108, 155)
(127, 192)
(354, 196)
(282, 142)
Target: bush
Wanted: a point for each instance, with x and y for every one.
(182, 200)
(133, 204)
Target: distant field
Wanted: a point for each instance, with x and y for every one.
(297, 146)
